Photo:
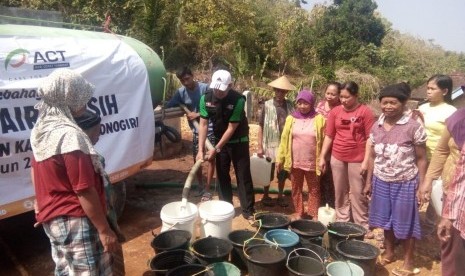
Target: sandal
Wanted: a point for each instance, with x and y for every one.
(380, 244)
(405, 272)
(206, 197)
(267, 201)
(282, 202)
(379, 236)
(369, 235)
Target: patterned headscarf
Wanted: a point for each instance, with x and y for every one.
(55, 132)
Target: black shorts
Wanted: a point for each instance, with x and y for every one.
(282, 175)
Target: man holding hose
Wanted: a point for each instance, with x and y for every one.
(225, 108)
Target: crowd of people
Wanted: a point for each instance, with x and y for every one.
(376, 171)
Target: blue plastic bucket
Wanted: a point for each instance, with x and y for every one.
(286, 239)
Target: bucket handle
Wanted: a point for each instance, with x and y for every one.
(169, 228)
(348, 235)
(207, 268)
(297, 254)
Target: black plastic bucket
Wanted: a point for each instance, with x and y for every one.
(211, 250)
(300, 265)
(237, 238)
(188, 270)
(340, 231)
(266, 260)
(165, 261)
(322, 253)
(271, 221)
(361, 253)
(170, 240)
(308, 230)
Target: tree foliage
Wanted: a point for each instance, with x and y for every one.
(345, 28)
(344, 40)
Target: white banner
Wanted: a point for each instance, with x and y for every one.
(122, 98)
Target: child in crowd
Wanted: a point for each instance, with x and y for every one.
(299, 152)
(396, 149)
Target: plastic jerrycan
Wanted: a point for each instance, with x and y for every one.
(260, 168)
(326, 215)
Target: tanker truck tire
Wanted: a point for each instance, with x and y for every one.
(120, 197)
(172, 134)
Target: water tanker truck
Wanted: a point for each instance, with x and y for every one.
(129, 79)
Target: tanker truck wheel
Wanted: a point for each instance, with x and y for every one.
(120, 197)
(172, 134)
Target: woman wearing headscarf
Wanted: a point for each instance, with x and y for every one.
(299, 150)
(67, 177)
(442, 165)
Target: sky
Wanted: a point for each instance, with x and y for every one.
(443, 21)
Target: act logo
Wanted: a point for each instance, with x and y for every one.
(16, 58)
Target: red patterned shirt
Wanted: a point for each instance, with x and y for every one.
(454, 203)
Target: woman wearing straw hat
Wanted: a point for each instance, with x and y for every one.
(272, 118)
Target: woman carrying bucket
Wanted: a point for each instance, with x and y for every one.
(396, 150)
(299, 151)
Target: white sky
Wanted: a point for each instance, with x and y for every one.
(443, 21)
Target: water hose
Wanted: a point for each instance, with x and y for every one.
(195, 168)
(180, 185)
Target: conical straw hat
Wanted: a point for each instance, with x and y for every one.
(282, 83)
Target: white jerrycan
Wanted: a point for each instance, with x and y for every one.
(326, 215)
(260, 168)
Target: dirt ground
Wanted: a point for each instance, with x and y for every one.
(25, 250)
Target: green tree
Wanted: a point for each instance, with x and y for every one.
(344, 28)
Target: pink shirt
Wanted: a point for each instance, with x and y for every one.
(304, 144)
(349, 131)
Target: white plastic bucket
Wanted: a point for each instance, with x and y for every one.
(260, 168)
(326, 215)
(216, 218)
(174, 216)
(343, 269)
(436, 196)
